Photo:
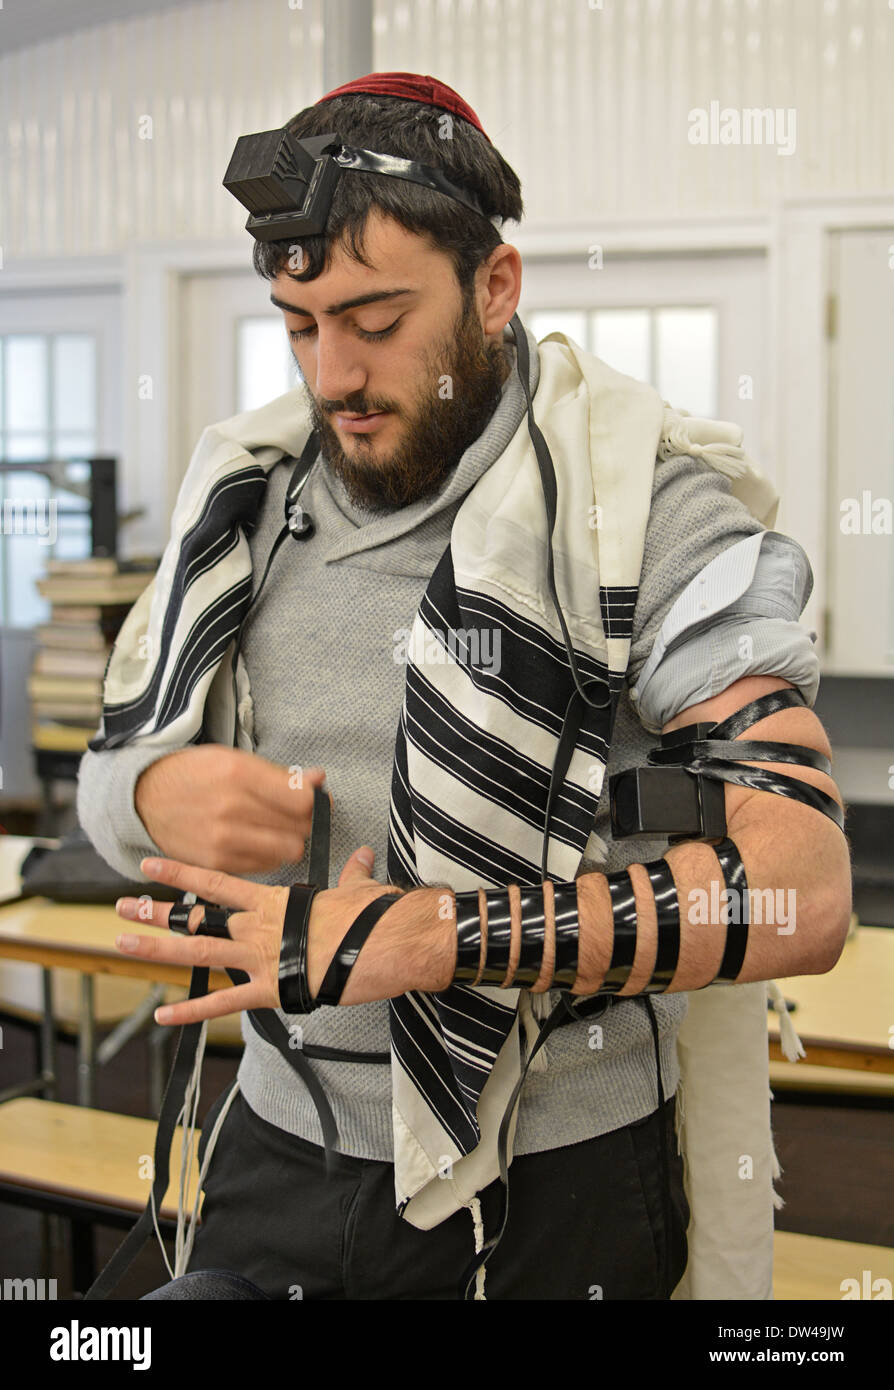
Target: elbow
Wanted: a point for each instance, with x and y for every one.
(831, 922)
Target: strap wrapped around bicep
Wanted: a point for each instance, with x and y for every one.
(715, 755)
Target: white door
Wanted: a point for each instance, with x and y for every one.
(861, 464)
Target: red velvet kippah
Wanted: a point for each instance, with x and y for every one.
(411, 87)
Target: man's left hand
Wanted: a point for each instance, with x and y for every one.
(255, 926)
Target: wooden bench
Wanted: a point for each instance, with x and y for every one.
(85, 1165)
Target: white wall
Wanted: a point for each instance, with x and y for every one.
(590, 105)
(589, 102)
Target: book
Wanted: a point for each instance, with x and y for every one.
(60, 661)
(62, 738)
(102, 565)
(109, 615)
(65, 687)
(72, 637)
(72, 711)
(98, 589)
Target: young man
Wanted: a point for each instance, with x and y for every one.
(425, 501)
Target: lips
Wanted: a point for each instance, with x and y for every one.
(359, 424)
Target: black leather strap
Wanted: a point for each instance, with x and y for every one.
(565, 911)
(620, 887)
(762, 779)
(178, 918)
(765, 705)
(499, 938)
(318, 846)
(749, 751)
(294, 994)
(468, 938)
(371, 162)
(720, 758)
(737, 908)
(667, 909)
(171, 1105)
(214, 923)
(352, 943)
(533, 937)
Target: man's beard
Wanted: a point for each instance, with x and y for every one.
(463, 381)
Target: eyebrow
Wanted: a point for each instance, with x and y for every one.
(335, 309)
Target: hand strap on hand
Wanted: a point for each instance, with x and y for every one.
(294, 992)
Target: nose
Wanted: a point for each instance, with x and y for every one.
(340, 373)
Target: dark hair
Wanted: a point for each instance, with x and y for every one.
(411, 130)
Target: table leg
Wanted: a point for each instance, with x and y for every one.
(86, 1043)
(48, 1039)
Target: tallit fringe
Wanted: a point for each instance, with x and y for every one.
(478, 1224)
(718, 442)
(775, 1173)
(792, 1050)
(789, 1041)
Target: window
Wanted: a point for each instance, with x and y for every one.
(675, 349)
(48, 410)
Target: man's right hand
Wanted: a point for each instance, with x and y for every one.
(223, 808)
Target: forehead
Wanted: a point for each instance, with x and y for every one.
(392, 251)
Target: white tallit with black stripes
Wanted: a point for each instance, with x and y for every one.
(477, 740)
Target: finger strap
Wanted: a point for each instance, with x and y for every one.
(214, 923)
(178, 918)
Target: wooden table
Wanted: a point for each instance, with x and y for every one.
(79, 937)
(845, 1018)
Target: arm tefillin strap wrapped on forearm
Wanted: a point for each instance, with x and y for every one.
(487, 914)
(497, 915)
(680, 793)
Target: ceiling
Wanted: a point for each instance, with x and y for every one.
(24, 22)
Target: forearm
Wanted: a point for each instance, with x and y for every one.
(798, 874)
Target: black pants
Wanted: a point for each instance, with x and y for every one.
(585, 1222)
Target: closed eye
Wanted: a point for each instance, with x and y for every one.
(299, 334)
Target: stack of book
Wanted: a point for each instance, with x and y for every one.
(90, 600)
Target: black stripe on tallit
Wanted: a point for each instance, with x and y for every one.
(231, 501)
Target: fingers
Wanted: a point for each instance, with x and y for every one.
(157, 914)
(186, 950)
(358, 868)
(241, 848)
(212, 884)
(215, 1005)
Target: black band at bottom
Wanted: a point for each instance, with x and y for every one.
(737, 913)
